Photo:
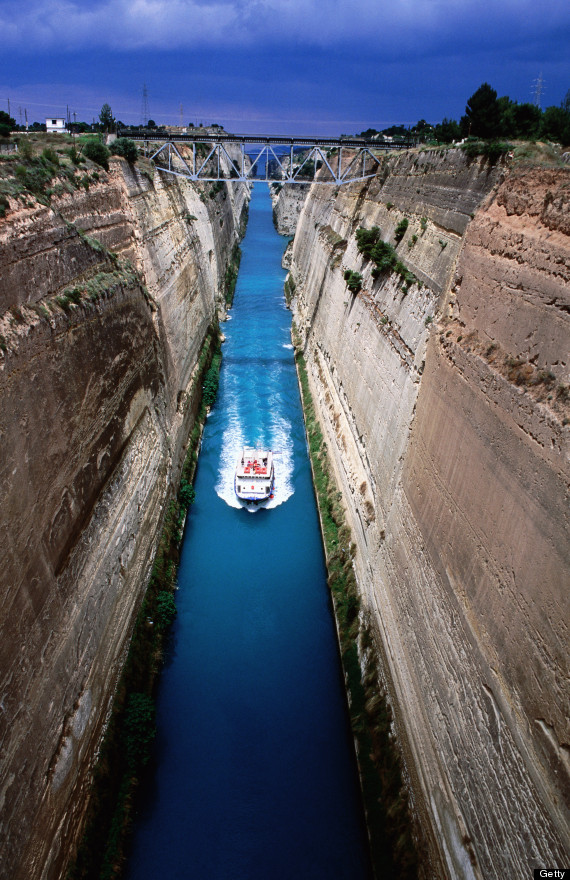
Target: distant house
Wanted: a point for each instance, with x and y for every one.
(55, 125)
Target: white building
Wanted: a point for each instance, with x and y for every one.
(56, 125)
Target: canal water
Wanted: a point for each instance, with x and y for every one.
(254, 771)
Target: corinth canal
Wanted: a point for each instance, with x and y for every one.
(255, 775)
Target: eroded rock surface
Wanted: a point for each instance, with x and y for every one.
(445, 408)
(288, 200)
(95, 407)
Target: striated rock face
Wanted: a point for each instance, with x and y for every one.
(445, 408)
(94, 413)
(288, 200)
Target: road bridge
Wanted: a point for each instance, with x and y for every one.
(243, 158)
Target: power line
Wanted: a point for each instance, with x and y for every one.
(538, 86)
(145, 114)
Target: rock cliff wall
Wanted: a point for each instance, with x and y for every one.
(105, 300)
(445, 406)
(288, 200)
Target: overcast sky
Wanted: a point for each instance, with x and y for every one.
(278, 66)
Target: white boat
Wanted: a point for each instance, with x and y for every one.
(254, 480)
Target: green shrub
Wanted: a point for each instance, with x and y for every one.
(126, 148)
(165, 610)
(494, 150)
(217, 187)
(4, 205)
(366, 239)
(34, 178)
(74, 155)
(139, 730)
(98, 153)
(423, 224)
(400, 229)
(383, 255)
(49, 157)
(353, 280)
(25, 149)
(472, 148)
(211, 382)
(186, 493)
(491, 150)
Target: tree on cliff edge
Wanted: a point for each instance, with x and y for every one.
(106, 118)
(7, 124)
(482, 114)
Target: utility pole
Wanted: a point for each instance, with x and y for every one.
(26, 115)
(8, 106)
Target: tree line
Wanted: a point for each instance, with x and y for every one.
(486, 117)
(105, 123)
(489, 117)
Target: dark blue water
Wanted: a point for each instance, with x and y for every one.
(255, 773)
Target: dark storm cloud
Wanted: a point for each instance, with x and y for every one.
(280, 64)
(422, 26)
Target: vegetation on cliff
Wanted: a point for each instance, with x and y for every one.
(384, 792)
(53, 165)
(382, 254)
(110, 276)
(44, 166)
(353, 280)
(128, 740)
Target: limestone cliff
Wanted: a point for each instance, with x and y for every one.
(288, 200)
(105, 299)
(444, 400)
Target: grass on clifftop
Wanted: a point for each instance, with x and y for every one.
(52, 165)
(537, 154)
(44, 166)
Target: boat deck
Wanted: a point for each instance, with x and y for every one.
(256, 464)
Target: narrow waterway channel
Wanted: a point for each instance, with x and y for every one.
(254, 771)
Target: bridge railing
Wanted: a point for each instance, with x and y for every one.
(212, 157)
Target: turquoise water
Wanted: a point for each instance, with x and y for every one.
(255, 776)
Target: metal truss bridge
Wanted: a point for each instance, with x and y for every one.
(212, 157)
